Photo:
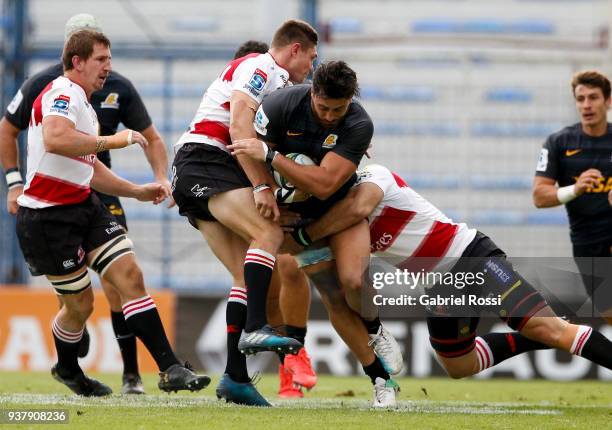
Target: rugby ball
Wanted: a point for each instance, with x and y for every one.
(299, 159)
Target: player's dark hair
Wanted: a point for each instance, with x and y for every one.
(295, 30)
(335, 80)
(251, 47)
(81, 43)
(592, 78)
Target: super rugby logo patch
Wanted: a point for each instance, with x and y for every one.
(61, 104)
(257, 82)
(330, 141)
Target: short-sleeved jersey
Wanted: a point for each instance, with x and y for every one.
(286, 119)
(117, 102)
(54, 179)
(405, 226)
(256, 75)
(563, 157)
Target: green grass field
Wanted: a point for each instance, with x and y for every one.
(334, 403)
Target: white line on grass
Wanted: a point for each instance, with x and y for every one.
(178, 401)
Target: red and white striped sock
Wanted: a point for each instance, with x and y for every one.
(258, 267)
(582, 335)
(238, 295)
(65, 335)
(484, 354)
(143, 320)
(137, 306)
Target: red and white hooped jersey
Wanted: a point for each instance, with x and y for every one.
(256, 75)
(405, 226)
(54, 179)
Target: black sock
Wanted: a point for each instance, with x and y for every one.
(258, 266)
(281, 357)
(67, 346)
(297, 333)
(235, 318)
(127, 343)
(493, 348)
(376, 370)
(143, 320)
(371, 325)
(593, 346)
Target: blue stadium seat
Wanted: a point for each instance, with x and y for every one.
(513, 129)
(195, 23)
(345, 25)
(483, 26)
(399, 93)
(508, 95)
(416, 129)
(481, 182)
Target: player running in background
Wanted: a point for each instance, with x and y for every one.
(117, 102)
(575, 169)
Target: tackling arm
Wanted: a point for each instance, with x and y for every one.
(107, 182)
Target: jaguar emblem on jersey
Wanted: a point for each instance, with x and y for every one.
(111, 101)
(61, 104)
(330, 141)
(257, 82)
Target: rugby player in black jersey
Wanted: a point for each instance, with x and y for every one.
(575, 169)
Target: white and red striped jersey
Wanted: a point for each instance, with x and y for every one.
(256, 75)
(405, 226)
(54, 179)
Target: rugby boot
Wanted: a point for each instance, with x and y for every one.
(288, 390)
(81, 384)
(132, 384)
(388, 350)
(241, 393)
(178, 377)
(385, 393)
(266, 339)
(300, 367)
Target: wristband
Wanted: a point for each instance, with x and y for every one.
(566, 194)
(301, 237)
(13, 178)
(129, 137)
(270, 155)
(261, 187)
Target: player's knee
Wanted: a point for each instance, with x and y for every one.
(351, 281)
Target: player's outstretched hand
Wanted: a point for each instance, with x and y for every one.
(166, 184)
(152, 192)
(266, 205)
(126, 138)
(587, 179)
(11, 199)
(253, 148)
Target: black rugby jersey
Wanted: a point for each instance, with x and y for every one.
(285, 118)
(117, 102)
(564, 156)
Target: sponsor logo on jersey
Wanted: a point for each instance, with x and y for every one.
(330, 141)
(570, 152)
(68, 263)
(257, 82)
(498, 271)
(604, 185)
(111, 101)
(61, 104)
(198, 190)
(14, 104)
(261, 122)
(542, 161)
